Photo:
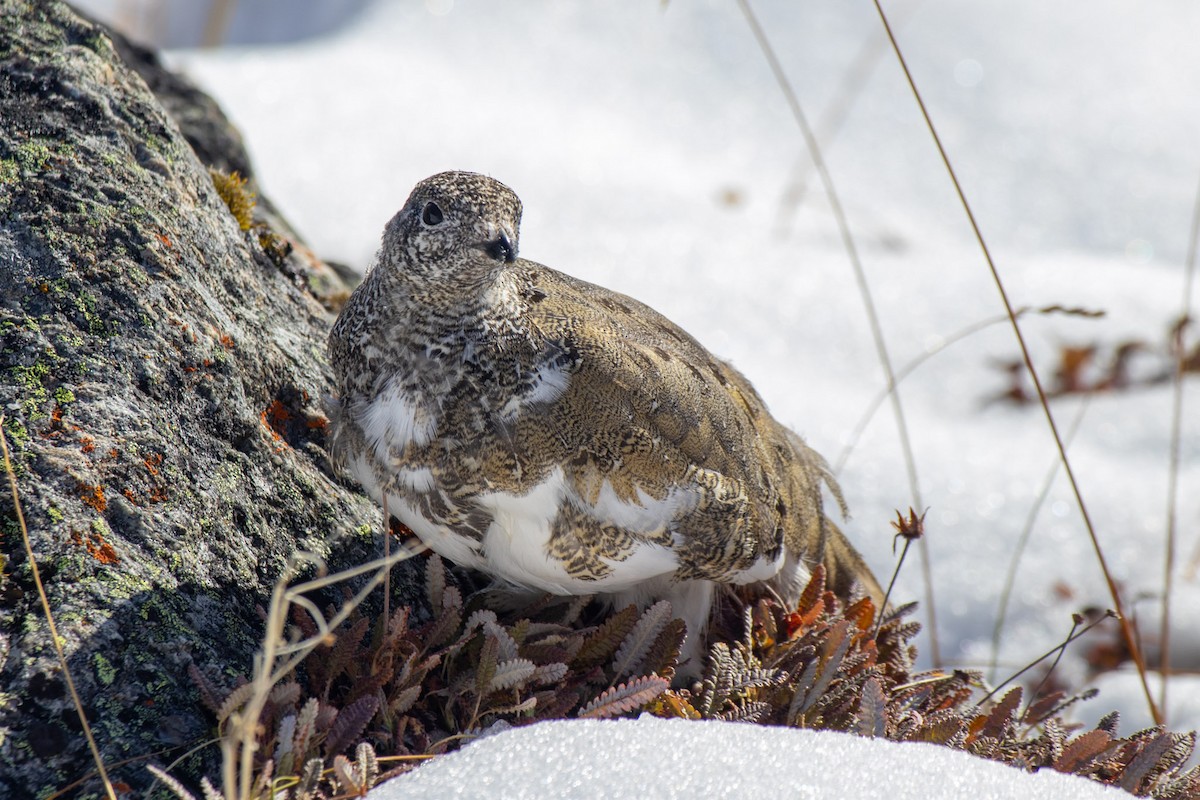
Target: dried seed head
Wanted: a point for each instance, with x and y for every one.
(910, 528)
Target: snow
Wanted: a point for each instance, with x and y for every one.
(659, 759)
(654, 154)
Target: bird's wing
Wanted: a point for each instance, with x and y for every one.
(648, 412)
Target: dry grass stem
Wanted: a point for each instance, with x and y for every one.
(1189, 277)
(854, 78)
(1059, 649)
(864, 289)
(1126, 629)
(54, 637)
(277, 657)
(1010, 578)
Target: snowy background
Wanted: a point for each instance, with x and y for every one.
(656, 155)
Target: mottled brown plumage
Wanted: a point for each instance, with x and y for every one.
(559, 435)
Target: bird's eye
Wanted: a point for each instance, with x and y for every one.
(432, 215)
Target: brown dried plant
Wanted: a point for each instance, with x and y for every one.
(399, 694)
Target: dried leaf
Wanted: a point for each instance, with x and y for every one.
(1001, 717)
(368, 764)
(477, 619)
(801, 692)
(405, 700)
(836, 645)
(349, 724)
(310, 778)
(678, 706)
(172, 784)
(209, 791)
(285, 694)
(234, 701)
(663, 655)
(489, 656)
(862, 614)
(506, 643)
(1146, 759)
(625, 698)
(306, 724)
(444, 625)
(511, 673)
(942, 727)
(637, 642)
(210, 695)
(872, 711)
(346, 776)
(755, 711)
(603, 642)
(813, 592)
(1082, 750)
(285, 738)
(435, 581)
(1041, 708)
(343, 653)
(549, 673)
(524, 707)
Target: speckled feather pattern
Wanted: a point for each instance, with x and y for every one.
(501, 404)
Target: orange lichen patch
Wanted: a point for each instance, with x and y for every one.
(226, 341)
(159, 495)
(316, 423)
(130, 496)
(87, 444)
(97, 546)
(276, 418)
(164, 240)
(57, 425)
(93, 496)
(152, 463)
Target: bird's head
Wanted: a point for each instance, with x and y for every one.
(456, 228)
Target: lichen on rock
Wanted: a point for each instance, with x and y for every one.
(161, 380)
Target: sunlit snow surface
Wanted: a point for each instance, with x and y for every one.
(654, 152)
(654, 759)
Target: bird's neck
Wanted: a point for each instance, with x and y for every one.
(481, 310)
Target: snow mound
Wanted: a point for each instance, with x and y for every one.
(654, 758)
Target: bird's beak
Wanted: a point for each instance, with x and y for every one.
(502, 249)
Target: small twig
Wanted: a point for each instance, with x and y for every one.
(63, 791)
(910, 529)
(276, 659)
(1126, 631)
(1010, 579)
(1164, 636)
(925, 681)
(902, 373)
(54, 637)
(911, 367)
(830, 122)
(864, 288)
(1075, 634)
(1076, 621)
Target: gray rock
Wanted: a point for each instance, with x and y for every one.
(160, 375)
